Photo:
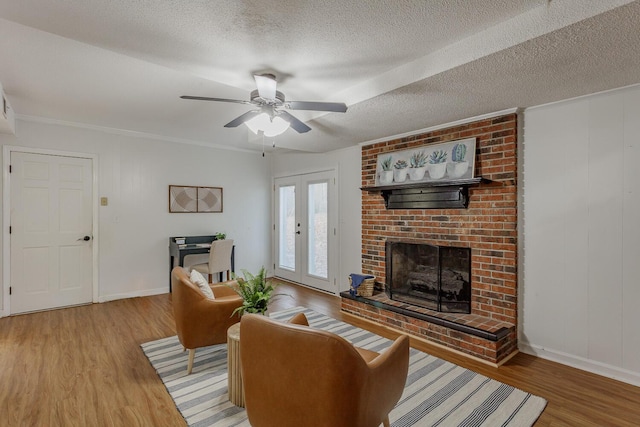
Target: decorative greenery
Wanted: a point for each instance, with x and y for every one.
(418, 159)
(221, 236)
(458, 152)
(400, 164)
(256, 291)
(439, 156)
(386, 164)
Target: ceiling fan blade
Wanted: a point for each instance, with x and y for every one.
(242, 118)
(204, 98)
(335, 107)
(296, 124)
(266, 86)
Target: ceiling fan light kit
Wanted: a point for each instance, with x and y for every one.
(270, 117)
(269, 126)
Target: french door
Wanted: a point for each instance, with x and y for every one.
(305, 229)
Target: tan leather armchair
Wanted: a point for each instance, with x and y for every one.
(295, 376)
(201, 322)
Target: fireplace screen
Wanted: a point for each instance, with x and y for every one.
(433, 277)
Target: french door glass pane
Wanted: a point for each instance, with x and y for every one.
(287, 258)
(318, 230)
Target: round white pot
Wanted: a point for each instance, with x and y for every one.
(416, 174)
(457, 169)
(386, 177)
(400, 175)
(437, 170)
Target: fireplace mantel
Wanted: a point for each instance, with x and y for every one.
(488, 225)
(427, 195)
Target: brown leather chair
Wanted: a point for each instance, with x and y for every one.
(201, 322)
(296, 376)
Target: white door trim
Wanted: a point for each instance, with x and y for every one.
(5, 309)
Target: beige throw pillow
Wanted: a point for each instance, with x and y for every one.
(197, 278)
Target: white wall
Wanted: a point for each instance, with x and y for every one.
(348, 165)
(581, 287)
(134, 173)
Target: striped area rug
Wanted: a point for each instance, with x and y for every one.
(437, 393)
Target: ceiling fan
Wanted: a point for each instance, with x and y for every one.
(270, 115)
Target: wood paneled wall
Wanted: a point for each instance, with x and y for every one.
(581, 189)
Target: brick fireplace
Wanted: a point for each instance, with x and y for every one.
(488, 227)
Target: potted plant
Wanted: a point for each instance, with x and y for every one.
(437, 164)
(386, 175)
(418, 161)
(256, 292)
(400, 172)
(458, 165)
(221, 236)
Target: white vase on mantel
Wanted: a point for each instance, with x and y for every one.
(400, 175)
(437, 170)
(416, 174)
(386, 177)
(457, 169)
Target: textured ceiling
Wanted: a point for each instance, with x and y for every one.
(399, 65)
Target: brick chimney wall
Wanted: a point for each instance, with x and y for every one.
(488, 226)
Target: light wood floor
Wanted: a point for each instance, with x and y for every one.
(83, 366)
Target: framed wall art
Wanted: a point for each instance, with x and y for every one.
(447, 161)
(192, 199)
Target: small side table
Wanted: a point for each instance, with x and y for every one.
(234, 376)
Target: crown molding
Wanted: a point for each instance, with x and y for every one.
(443, 126)
(125, 132)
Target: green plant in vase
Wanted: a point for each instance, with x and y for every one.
(437, 157)
(256, 292)
(386, 175)
(400, 172)
(418, 161)
(459, 165)
(221, 236)
(401, 164)
(459, 152)
(437, 164)
(386, 164)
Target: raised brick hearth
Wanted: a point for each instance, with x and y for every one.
(488, 226)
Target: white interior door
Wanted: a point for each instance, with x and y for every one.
(305, 229)
(51, 226)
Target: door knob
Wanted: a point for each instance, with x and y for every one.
(85, 238)
(298, 232)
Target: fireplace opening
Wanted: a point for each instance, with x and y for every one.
(429, 276)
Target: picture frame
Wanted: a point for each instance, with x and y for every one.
(210, 199)
(195, 199)
(446, 161)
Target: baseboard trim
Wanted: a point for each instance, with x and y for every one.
(577, 362)
(144, 293)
